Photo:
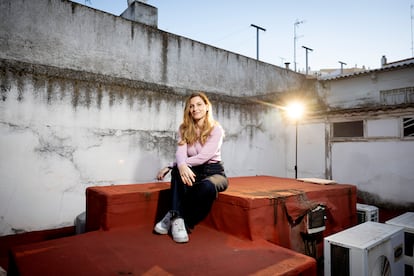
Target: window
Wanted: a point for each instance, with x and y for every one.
(397, 96)
(408, 127)
(348, 129)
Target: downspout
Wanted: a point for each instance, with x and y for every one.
(328, 150)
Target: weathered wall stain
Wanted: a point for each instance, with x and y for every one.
(89, 98)
(87, 89)
(377, 200)
(164, 58)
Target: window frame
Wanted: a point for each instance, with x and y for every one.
(348, 138)
(403, 127)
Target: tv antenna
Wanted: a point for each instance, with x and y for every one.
(412, 18)
(295, 37)
(257, 38)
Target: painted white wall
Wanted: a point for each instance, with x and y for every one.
(381, 168)
(365, 89)
(105, 107)
(381, 128)
(311, 150)
(89, 98)
(68, 35)
(380, 163)
(52, 151)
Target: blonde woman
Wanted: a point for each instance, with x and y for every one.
(197, 175)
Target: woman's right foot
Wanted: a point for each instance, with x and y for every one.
(163, 226)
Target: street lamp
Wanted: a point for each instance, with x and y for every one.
(295, 111)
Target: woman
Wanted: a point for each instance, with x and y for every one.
(198, 174)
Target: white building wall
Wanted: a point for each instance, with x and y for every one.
(380, 163)
(68, 35)
(365, 89)
(384, 128)
(311, 150)
(383, 169)
(88, 98)
(51, 150)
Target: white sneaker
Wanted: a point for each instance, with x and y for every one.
(163, 226)
(178, 230)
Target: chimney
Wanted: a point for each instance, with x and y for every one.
(141, 12)
(383, 61)
(132, 1)
(287, 65)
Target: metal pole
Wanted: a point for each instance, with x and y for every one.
(296, 149)
(307, 49)
(257, 44)
(257, 38)
(342, 66)
(412, 18)
(295, 25)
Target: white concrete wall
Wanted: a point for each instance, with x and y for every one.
(88, 98)
(52, 150)
(68, 35)
(311, 150)
(380, 163)
(364, 90)
(383, 169)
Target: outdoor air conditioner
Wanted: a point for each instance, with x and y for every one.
(367, 213)
(406, 220)
(315, 220)
(369, 248)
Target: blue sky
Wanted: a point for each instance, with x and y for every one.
(357, 32)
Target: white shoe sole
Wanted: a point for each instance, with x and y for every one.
(160, 230)
(180, 240)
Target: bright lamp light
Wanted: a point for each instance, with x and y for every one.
(295, 110)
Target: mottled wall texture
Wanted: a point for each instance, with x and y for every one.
(89, 98)
(379, 162)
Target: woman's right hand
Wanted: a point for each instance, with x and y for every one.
(187, 175)
(162, 173)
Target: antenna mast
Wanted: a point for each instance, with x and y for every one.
(412, 18)
(295, 37)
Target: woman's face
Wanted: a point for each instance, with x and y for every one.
(198, 109)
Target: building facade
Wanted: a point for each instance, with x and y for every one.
(89, 98)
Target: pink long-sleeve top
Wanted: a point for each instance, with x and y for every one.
(198, 154)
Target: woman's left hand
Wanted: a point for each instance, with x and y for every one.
(187, 175)
(162, 173)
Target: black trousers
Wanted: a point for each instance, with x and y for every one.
(193, 203)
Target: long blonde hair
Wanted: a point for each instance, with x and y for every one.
(188, 130)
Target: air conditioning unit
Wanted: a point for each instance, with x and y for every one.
(406, 220)
(315, 220)
(369, 248)
(367, 213)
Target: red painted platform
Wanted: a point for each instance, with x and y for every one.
(272, 208)
(257, 207)
(255, 227)
(137, 251)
